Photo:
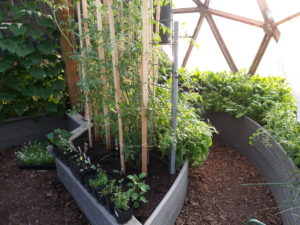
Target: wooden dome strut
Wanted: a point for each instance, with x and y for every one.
(268, 25)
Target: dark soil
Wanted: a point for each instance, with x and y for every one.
(216, 196)
(34, 197)
(158, 177)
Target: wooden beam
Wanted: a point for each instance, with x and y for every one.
(185, 10)
(84, 73)
(269, 26)
(218, 37)
(193, 39)
(221, 43)
(237, 18)
(144, 78)
(101, 55)
(287, 19)
(262, 48)
(67, 44)
(117, 85)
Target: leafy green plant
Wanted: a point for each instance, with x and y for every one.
(58, 134)
(193, 136)
(137, 189)
(121, 201)
(31, 69)
(34, 154)
(268, 100)
(241, 94)
(109, 188)
(100, 179)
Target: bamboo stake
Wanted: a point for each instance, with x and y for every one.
(144, 78)
(116, 81)
(83, 73)
(101, 54)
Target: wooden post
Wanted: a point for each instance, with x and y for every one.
(194, 37)
(83, 71)
(117, 85)
(261, 51)
(144, 78)
(101, 55)
(67, 44)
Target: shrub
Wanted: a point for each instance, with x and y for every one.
(31, 69)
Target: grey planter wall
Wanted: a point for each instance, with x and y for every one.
(165, 214)
(17, 131)
(269, 159)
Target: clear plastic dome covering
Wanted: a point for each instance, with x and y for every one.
(242, 40)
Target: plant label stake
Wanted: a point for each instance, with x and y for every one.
(117, 85)
(174, 98)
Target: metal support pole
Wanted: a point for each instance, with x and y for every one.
(174, 97)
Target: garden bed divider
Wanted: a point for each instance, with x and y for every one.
(269, 158)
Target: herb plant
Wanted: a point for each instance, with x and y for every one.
(109, 188)
(121, 201)
(34, 154)
(137, 189)
(100, 179)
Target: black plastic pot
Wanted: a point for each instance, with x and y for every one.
(48, 166)
(109, 204)
(123, 216)
(166, 20)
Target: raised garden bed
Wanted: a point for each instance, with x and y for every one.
(268, 158)
(165, 213)
(17, 131)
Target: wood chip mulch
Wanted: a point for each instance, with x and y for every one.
(216, 196)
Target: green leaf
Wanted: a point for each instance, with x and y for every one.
(44, 92)
(143, 199)
(8, 96)
(20, 108)
(46, 47)
(24, 50)
(36, 34)
(17, 29)
(9, 45)
(5, 65)
(59, 85)
(36, 58)
(50, 107)
(37, 72)
(1, 107)
(1, 35)
(134, 196)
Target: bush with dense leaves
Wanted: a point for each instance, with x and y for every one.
(31, 69)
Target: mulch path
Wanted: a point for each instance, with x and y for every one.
(216, 196)
(29, 197)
